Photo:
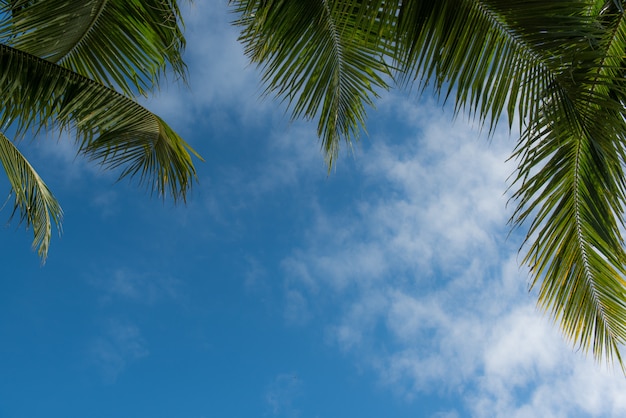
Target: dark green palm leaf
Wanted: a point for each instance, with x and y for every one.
(325, 58)
(110, 127)
(555, 67)
(122, 44)
(495, 56)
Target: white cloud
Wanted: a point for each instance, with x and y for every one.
(426, 289)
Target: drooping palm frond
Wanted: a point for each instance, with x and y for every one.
(571, 180)
(567, 185)
(325, 58)
(109, 126)
(32, 199)
(120, 43)
(559, 67)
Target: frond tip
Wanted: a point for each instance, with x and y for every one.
(33, 200)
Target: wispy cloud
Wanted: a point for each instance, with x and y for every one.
(120, 345)
(139, 287)
(281, 395)
(426, 289)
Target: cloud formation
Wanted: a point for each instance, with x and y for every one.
(417, 280)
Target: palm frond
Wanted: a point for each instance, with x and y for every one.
(568, 184)
(109, 126)
(122, 44)
(325, 58)
(494, 56)
(571, 181)
(32, 199)
(558, 67)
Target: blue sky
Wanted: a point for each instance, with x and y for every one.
(387, 288)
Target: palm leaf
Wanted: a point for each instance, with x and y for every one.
(109, 127)
(494, 56)
(571, 180)
(60, 63)
(325, 58)
(558, 67)
(33, 200)
(120, 43)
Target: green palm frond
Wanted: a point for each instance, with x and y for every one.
(559, 69)
(32, 199)
(325, 58)
(109, 127)
(494, 56)
(568, 185)
(120, 43)
(571, 180)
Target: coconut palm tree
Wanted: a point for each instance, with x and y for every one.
(558, 67)
(76, 66)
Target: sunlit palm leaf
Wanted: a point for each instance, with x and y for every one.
(109, 126)
(571, 180)
(120, 43)
(32, 199)
(323, 57)
(559, 69)
(544, 62)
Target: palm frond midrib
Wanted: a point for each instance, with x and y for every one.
(582, 246)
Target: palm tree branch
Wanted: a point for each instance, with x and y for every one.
(574, 253)
(491, 54)
(495, 56)
(109, 126)
(571, 180)
(324, 58)
(32, 198)
(125, 45)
